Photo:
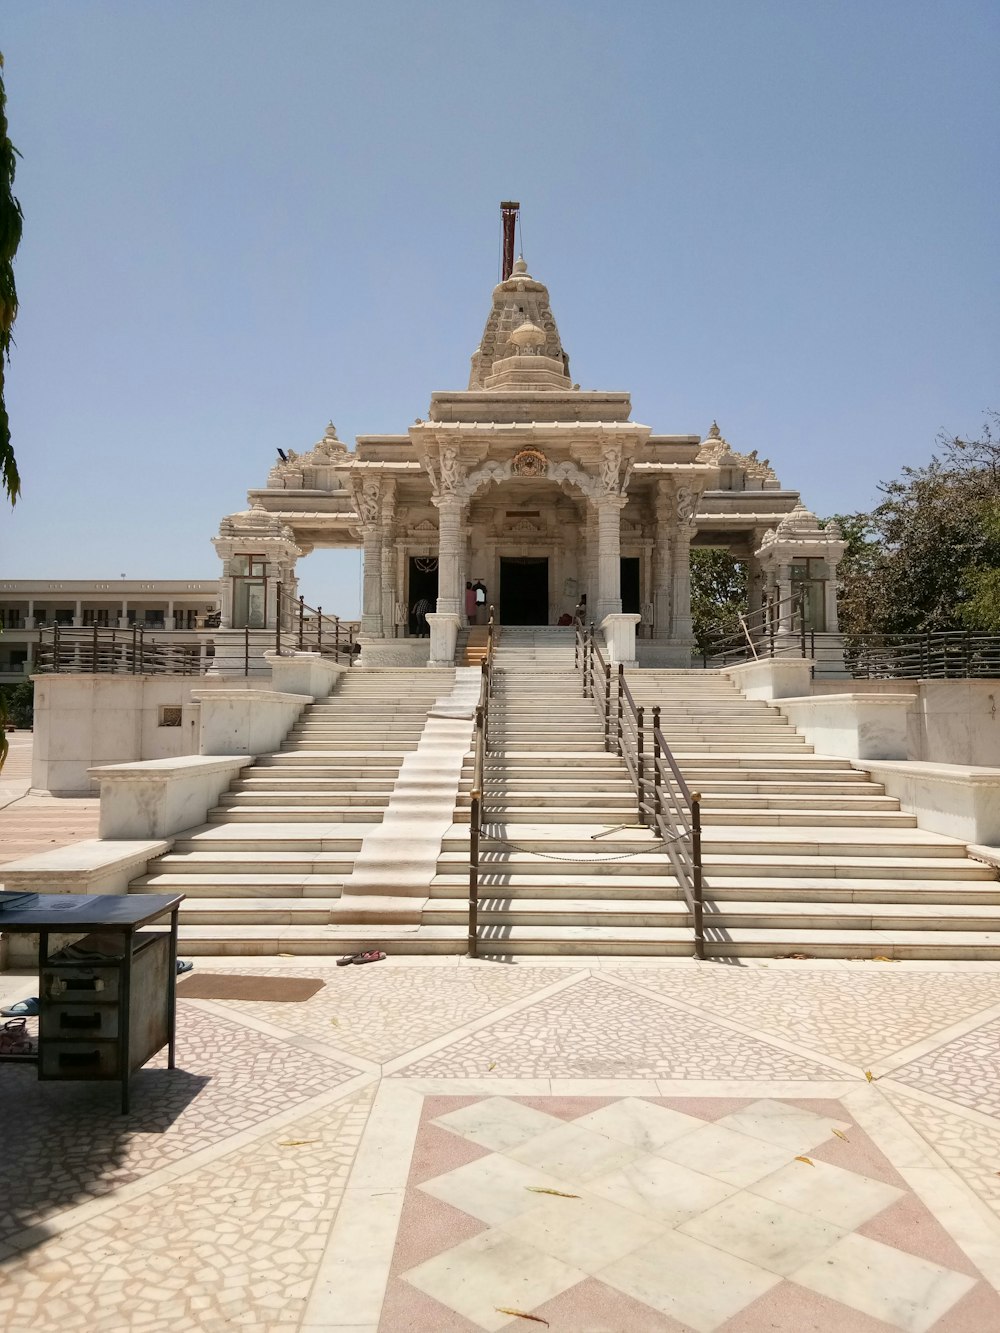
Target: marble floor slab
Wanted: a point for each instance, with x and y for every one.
(631, 1148)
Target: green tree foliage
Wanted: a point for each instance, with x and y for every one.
(718, 594)
(19, 701)
(928, 557)
(10, 236)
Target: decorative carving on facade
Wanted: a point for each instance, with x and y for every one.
(718, 452)
(451, 470)
(611, 461)
(529, 463)
(686, 502)
(367, 499)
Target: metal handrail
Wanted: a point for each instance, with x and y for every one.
(664, 801)
(482, 744)
(307, 630)
(132, 651)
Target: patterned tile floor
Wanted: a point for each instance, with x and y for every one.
(438, 1145)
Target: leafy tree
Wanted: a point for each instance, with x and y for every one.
(927, 558)
(19, 702)
(11, 219)
(718, 594)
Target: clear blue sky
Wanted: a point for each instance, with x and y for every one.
(244, 218)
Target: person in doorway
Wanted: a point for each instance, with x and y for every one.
(470, 603)
(482, 616)
(420, 608)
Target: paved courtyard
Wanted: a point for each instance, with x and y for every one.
(619, 1146)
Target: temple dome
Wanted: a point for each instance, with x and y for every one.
(528, 335)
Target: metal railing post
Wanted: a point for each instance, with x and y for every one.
(55, 646)
(657, 787)
(302, 621)
(640, 763)
(246, 650)
(607, 706)
(319, 630)
(621, 708)
(134, 634)
(142, 652)
(474, 817)
(277, 618)
(699, 925)
(93, 660)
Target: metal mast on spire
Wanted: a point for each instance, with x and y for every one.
(509, 210)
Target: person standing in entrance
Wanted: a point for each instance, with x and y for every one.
(470, 603)
(479, 588)
(420, 608)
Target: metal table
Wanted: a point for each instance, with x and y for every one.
(103, 1017)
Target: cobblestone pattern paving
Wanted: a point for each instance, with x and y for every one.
(594, 1029)
(382, 1012)
(236, 1246)
(965, 1070)
(970, 1148)
(66, 1142)
(860, 1016)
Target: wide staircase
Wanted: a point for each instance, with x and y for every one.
(265, 873)
(803, 854)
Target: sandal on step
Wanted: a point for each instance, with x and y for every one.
(29, 1008)
(372, 956)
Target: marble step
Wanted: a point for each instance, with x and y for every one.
(281, 814)
(502, 941)
(734, 889)
(350, 761)
(264, 887)
(349, 744)
(276, 912)
(856, 819)
(338, 838)
(729, 916)
(821, 802)
(238, 800)
(313, 782)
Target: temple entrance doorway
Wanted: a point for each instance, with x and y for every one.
(422, 585)
(524, 590)
(631, 601)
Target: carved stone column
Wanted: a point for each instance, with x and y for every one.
(368, 498)
(609, 549)
(681, 626)
(388, 557)
(830, 595)
(662, 563)
(451, 516)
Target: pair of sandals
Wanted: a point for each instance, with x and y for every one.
(14, 1038)
(369, 956)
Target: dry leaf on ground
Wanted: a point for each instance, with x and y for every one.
(521, 1314)
(808, 1160)
(559, 1194)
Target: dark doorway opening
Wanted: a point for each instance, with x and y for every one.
(524, 590)
(630, 585)
(423, 585)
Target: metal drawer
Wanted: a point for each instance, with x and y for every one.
(71, 985)
(79, 1022)
(78, 1059)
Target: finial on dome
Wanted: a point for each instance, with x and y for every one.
(520, 267)
(713, 431)
(331, 431)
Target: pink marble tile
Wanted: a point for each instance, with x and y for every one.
(437, 1150)
(407, 1310)
(591, 1307)
(789, 1308)
(977, 1312)
(566, 1108)
(705, 1108)
(857, 1153)
(427, 1226)
(907, 1225)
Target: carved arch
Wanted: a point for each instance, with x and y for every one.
(497, 472)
